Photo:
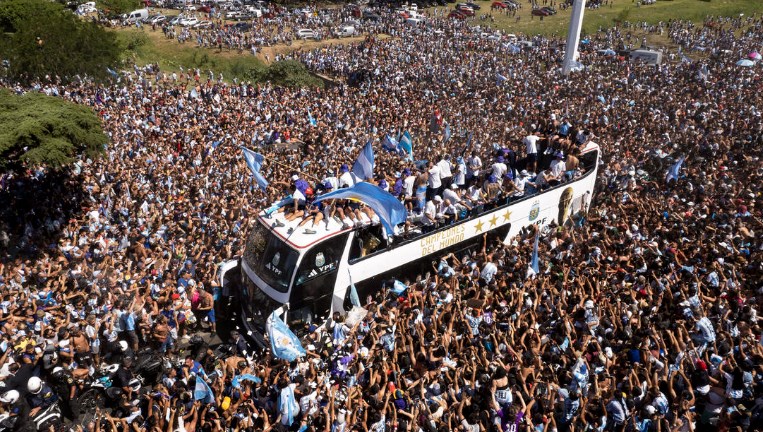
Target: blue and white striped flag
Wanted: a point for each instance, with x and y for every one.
(500, 79)
(389, 143)
(254, 162)
(674, 170)
(406, 144)
(446, 136)
(534, 267)
(363, 168)
(202, 392)
(311, 119)
(283, 342)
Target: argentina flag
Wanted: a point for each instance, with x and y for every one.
(406, 144)
(534, 267)
(363, 168)
(254, 162)
(283, 343)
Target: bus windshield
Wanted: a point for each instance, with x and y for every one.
(271, 258)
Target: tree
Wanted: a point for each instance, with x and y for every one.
(37, 129)
(44, 39)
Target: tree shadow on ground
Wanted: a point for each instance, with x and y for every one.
(34, 210)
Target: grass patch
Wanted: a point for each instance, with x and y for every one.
(621, 10)
(147, 46)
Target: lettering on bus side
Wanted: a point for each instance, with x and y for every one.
(442, 239)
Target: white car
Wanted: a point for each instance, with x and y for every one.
(306, 34)
(203, 24)
(189, 22)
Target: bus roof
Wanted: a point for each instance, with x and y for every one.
(297, 236)
(305, 236)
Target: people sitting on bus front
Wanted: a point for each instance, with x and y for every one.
(558, 166)
(315, 213)
(508, 187)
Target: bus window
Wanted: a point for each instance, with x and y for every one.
(366, 241)
(316, 276)
(269, 257)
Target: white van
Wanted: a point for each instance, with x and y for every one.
(345, 31)
(137, 15)
(414, 21)
(647, 56)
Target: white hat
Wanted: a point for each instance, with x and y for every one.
(11, 396)
(295, 177)
(589, 304)
(453, 186)
(437, 198)
(650, 409)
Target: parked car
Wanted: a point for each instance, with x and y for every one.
(550, 10)
(203, 24)
(371, 16)
(189, 22)
(457, 15)
(499, 5)
(345, 31)
(306, 34)
(176, 20)
(156, 19)
(540, 12)
(243, 26)
(474, 6)
(465, 10)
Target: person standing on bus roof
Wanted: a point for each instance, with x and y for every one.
(473, 167)
(345, 178)
(331, 180)
(434, 184)
(446, 173)
(429, 217)
(531, 148)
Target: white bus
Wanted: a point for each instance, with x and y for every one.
(305, 278)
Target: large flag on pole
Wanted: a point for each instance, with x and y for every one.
(254, 162)
(406, 144)
(674, 170)
(363, 168)
(283, 343)
(534, 267)
(446, 136)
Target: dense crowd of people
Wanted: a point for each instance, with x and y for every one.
(643, 315)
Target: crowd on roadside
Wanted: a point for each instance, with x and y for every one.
(644, 316)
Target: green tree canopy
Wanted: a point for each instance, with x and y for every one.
(43, 39)
(39, 129)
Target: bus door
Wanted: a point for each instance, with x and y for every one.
(310, 298)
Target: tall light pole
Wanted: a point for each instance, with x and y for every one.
(573, 36)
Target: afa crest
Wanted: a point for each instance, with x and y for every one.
(534, 211)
